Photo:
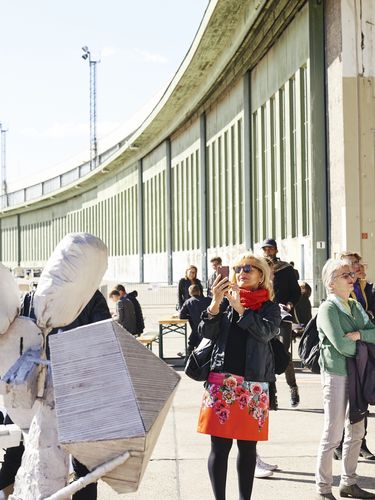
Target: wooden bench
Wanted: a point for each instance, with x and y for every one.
(148, 338)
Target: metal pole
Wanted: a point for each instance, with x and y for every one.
(4, 189)
(93, 137)
(203, 192)
(91, 477)
(248, 192)
(168, 209)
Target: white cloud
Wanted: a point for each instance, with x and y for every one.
(147, 56)
(132, 54)
(57, 130)
(61, 130)
(108, 52)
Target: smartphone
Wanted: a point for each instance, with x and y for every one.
(224, 272)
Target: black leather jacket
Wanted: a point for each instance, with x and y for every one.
(260, 326)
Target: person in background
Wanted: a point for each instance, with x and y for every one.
(341, 321)
(363, 291)
(184, 283)
(215, 263)
(368, 291)
(125, 313)
(295, 270)
(191, 310)
(235, 402)
(302, 310)
(132, 296)
(287, 293)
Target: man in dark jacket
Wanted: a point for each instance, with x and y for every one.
(132, 296)
(191, 310)
(287, 293)
(125, 312)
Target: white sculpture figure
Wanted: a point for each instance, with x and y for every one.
(68, 282)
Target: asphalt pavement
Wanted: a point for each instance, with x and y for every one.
(178, 467)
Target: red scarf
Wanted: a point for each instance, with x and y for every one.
(254, 299)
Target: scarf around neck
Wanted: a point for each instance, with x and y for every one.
(254, 299)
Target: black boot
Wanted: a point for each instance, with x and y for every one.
(354, 491)
(273, 397)
(337, 453)
(365, 452)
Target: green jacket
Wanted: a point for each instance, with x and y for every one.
(333, 323)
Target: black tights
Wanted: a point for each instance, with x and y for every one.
(218, 464)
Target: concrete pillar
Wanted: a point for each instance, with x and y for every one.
(350, 71)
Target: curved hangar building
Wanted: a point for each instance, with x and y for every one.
(266, 130)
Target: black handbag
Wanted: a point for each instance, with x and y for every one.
(199, 362)
(280, 355)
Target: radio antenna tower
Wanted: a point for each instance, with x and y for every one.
(93, 138)
(4, 189)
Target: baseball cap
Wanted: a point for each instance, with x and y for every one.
(269, 242)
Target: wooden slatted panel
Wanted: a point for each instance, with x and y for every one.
(94, 394)
(92, 367)
(153, 380)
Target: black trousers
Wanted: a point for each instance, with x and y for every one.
(218, 464)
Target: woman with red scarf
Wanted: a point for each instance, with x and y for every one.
(235, 403)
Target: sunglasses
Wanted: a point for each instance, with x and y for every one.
(247, 268)
(346, 275)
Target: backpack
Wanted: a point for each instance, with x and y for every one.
(309, 348)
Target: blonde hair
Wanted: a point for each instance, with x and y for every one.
(261, 264)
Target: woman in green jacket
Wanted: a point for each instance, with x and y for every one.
(341, 322)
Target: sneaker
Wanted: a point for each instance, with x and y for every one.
(294, 397)
(261, 473)
(265, 465)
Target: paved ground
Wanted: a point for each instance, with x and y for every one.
(178, 470)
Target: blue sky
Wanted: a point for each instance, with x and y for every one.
(44, 82)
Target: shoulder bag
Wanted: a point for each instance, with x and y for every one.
(199, 362)
(281, 356)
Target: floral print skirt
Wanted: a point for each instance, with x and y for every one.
(234, 408)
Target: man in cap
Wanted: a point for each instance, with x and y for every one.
(287, 293)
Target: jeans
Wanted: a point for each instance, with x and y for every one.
(336, 416)
(286, 339)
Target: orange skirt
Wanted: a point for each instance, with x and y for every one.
(234, 408)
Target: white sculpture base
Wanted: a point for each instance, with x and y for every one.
(45, 464)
